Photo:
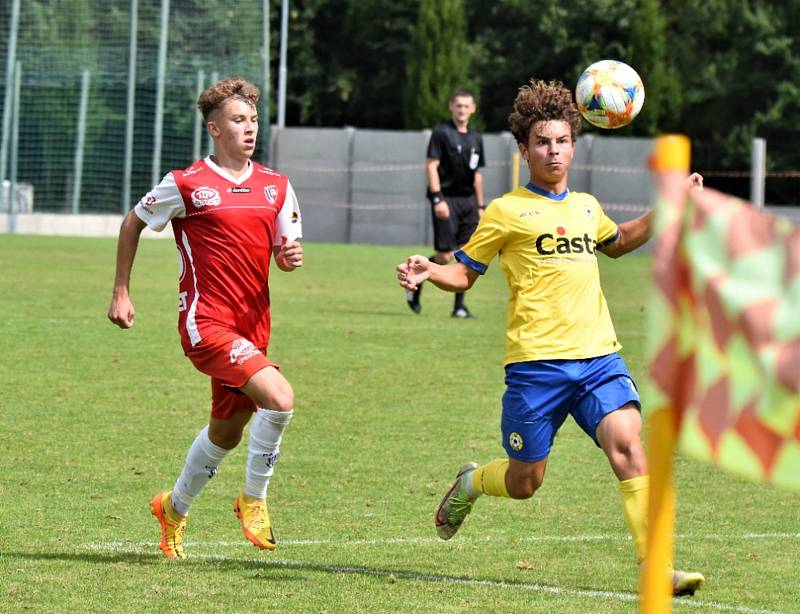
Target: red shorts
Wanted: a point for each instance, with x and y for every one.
(231, 361)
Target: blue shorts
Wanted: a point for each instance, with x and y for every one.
(540, 394)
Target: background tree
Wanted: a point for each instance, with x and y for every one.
(438, 62)
(720, 71)
(519, 40)
(649, 56)
(356, 76)
(739, 66)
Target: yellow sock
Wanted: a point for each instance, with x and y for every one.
(634, 494)
(490, 479)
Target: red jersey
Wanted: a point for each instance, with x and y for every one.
(225, 229)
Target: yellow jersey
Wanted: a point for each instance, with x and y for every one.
(547, 245)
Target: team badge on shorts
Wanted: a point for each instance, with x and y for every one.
(241, 351)
(515, 441)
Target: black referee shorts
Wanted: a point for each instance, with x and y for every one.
(455, 231)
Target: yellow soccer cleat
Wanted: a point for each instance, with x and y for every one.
(686, 582)
(253, 515)
(173, 525)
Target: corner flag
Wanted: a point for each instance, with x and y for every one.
(725, 335)
(723, 348)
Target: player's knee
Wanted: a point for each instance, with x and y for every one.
(271, 391)
(629, 457)
(282, 398)
(524, 488)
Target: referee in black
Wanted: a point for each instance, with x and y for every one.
(455, 188)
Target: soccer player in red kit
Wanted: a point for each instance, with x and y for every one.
(229, 215)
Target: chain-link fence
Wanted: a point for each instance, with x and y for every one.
(73, 155)
(98, 102)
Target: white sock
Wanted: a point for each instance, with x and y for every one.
(263, 447)
(201, 465)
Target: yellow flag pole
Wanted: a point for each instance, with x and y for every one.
(655, 581)
(671, 164)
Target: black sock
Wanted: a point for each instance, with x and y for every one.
(459, 301)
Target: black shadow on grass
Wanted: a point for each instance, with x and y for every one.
(148, 559)
(234, 564)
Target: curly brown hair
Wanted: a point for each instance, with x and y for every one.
(543, 101)
(216, 95)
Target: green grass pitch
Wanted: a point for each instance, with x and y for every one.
(95, 420)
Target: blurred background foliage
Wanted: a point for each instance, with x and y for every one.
(720, 71)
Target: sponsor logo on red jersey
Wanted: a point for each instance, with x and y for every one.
(203, 196)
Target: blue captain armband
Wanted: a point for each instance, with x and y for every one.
(611, 240)
(473, 264)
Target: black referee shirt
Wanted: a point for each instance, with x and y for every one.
(459, 154)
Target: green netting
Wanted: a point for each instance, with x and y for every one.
(58, 40)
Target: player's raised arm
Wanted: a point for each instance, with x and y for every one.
(632, 235)
(635, 233)
(453, 278)
(121, 311)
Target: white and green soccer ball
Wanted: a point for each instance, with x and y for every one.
(609, 94)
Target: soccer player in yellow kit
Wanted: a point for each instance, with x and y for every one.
(561, 349)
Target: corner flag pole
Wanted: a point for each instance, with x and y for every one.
(671, 165)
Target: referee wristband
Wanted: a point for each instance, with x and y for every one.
(435, 197)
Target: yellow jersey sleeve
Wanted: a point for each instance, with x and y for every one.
(486, 242)
(607, 229)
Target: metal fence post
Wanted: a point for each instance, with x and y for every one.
(350, 131)
(282, 70)
(198, 117)
(12, 183)
(80, 143)
(209, 139)
(158, 123)
(425, 221)
(264, 122)
(758, 168)
(10, 61)
(130, 109)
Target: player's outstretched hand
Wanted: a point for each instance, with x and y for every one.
(695, 180)
(121, 311)
(413, 271)
(290, 254)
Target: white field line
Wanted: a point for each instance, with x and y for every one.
(442, 578)
(465, 539)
